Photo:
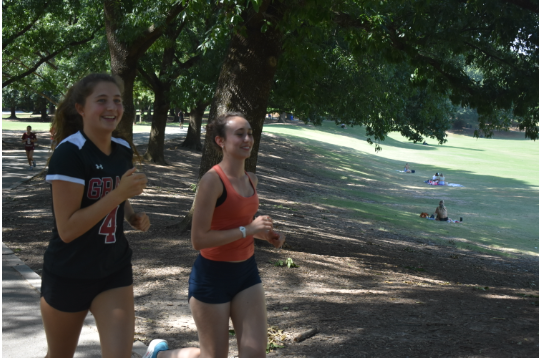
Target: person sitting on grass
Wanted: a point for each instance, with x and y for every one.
(407, 169)
(441, 179)
(435, 177)
(441, 212)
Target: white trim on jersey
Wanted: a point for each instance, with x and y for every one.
(77, 139)
(50, 177)
(122, 142)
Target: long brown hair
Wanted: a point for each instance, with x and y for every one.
(216, 128)
(68, 121)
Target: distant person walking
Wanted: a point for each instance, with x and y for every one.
(87, 264)
(29, 138)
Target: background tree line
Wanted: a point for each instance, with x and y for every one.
(407, 66)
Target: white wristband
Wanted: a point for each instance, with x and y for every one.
(243, 231)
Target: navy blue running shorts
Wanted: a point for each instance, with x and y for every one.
(74, 294)
(219, 281)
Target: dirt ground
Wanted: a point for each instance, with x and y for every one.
(369, 292)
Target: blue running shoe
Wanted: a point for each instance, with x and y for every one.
(156, 346)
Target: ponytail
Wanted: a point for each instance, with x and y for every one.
(68, 121)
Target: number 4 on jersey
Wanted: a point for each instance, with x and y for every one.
(109, 226)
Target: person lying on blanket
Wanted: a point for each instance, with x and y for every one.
(441, 212)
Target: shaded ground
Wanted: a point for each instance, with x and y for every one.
(370, 293)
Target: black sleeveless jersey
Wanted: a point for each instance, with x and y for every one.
(103, 249)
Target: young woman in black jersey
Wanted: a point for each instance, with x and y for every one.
(87, 265)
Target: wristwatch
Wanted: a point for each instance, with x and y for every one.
(243, 231)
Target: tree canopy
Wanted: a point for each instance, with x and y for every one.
(388, 65)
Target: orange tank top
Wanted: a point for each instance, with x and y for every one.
(234, 212)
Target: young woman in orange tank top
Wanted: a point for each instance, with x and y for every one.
(224, 282)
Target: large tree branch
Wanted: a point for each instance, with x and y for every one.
(49, 63)
(149, 77)
(184, 66)
(13, 37)
(500, 60)
(172, 32)
(141, 45)
(40, 94)
(45, 59)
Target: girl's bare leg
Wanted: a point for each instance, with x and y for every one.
(114, 315)
(212, 322)
(249, 316)
(62, 330)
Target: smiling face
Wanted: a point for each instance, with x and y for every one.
(239, 139)
(102, 110)
(28, 129)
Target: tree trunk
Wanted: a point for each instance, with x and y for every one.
(43, 110)
(149, 115)
(282, 118)
(156, 145)
(13, 115)
(122, 62)
(51, 108)
(244, 84)
(124, 56)
(193, 137)
(248, 59)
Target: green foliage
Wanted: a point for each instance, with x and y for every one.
(36, 34)
(48, 46)
(326, 81)
(288, 263)
(442, 39)
(407, 66)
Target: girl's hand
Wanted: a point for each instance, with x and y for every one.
(276, 239)
(131, 184)
(261, 224)
(139, 221)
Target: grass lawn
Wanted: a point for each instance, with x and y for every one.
(44, 126)
(21, 124)
(499, 201)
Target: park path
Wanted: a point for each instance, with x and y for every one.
(15, 166)
(22, 329)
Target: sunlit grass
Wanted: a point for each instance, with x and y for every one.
(499, 201)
